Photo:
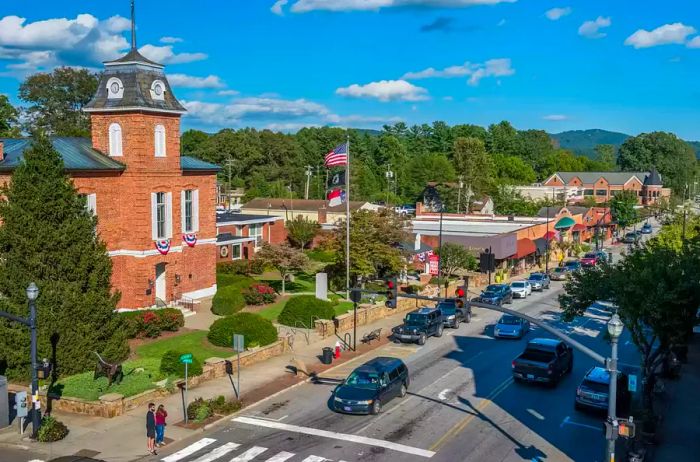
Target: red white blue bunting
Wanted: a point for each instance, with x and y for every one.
(163, 246)
(190, 239)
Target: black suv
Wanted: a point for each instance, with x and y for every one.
(593, 394)
(452, 316)
(372, 385)
(419, 325)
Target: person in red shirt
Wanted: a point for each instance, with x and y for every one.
(161, 414)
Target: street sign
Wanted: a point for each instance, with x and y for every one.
(238, 343)
(434, 263)
(632, 383)
(186, 358)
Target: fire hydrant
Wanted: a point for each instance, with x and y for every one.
(337, 350)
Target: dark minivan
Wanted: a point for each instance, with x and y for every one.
(371, 386)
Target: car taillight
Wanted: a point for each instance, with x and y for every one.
(512, 364)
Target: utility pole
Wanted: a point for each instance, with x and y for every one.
(229, 163)
(309, 173)
(459, 193)
(389, 175)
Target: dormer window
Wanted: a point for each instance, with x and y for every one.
(158, 90)
(115, 140)
(159, 141)
(115, 88)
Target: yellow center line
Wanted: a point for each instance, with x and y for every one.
(461, 425)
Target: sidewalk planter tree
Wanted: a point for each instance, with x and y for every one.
(256, 330)
(284, 258)
(455, 257)
(48, 236)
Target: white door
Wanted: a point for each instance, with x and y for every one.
(160, 281)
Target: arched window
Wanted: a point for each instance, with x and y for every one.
(159, 141)
(115, 140)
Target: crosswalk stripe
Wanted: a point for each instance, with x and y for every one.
(189, 450)
(250, 454)
(316, 459)
(221, 451)
(281, 457)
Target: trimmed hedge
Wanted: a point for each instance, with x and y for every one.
(229, 297)
(150, 323)
(170, 364)
(256, 330)
(305, 308)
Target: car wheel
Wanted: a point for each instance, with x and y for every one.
(421, 339)
(376, 407)
(439, 332)
(403, 390)
(468, 318)
(457, 322)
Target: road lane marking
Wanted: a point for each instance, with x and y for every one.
(334, 435)
(442, 396)
(221, 451)
(189, 450)
(281, 457)
(461, 425)
(568, 421)
(250, 454)
(314, 459)
(536, 414)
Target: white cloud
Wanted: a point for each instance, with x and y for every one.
(228, 93)
(168, 39)
(304, 6)
(556, 117)
(591, 29)
(189, 81)
(694, 43)
(166, 55)
(476, 71)
(676, 33)
(557, 13)
(385, 90)
(290, 126)
(447, 98)
(253, 109)
(277, 7)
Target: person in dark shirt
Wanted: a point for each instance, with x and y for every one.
(151, 428)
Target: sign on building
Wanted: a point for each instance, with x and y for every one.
(434, 264)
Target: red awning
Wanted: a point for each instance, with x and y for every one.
(525, 247)
(579, 227)
(550, 235)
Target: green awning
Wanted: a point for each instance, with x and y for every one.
(565, 223)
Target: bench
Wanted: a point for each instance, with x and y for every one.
(376, 334)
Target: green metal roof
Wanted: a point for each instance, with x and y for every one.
(77, 153)
(564, 223)
(194, 164)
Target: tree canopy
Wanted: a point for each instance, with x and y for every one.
(9, 119)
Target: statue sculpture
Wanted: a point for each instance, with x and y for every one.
(113, 372)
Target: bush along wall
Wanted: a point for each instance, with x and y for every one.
(305, 309)
(151, 323)
(256, 330)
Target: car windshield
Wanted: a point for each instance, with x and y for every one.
(630, 235)
(536, 277)
(572, 263)
(595, 386)
(415, 319)
(363, 379)
(489, 294)
(509, 320)
(447, 310)
(589, 255)
(493, 288)
(518, 284)
(560, 270)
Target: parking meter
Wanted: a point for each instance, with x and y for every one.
(21, 405)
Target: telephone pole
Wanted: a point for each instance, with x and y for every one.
(309, 173)
(229, 163)
(459, 194)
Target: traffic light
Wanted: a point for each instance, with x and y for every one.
(626, 429)
(487, 262)
(461, 296)
(392, 293)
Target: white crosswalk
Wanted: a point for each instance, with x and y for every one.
(206, 450)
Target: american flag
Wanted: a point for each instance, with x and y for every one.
(337, 157)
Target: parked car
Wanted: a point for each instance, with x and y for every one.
(560, 273)
(510, 326)
(573, 265)
(630, 238)
(538, 281)
(371, 386)
(593, 391)
(497, 294)
(520, 289)
(592, 259)
(544, 360)
(419, 325)
(646, 229)
(405, 210)
(452, 316)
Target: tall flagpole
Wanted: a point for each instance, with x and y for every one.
(347, 219)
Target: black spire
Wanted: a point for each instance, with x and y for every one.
(133, 26)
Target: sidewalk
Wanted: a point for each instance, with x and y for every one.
(680, 430)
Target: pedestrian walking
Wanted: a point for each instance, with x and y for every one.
(161, 415)
(151, 428)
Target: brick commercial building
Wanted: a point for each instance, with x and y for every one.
(240, 235)
(155, 208)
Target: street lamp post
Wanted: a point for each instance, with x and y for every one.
(615, 330)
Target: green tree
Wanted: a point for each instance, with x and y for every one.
(455, 257)
(503, 139)
(508, 201)
(674, 158)
(301, 231)
(284, 259)
(57, 99)
(424, 169)
(513, 170)
(49, 237)
(191, 140)
(605, 154)
(473, 163)
(622, 208)
(9, 119)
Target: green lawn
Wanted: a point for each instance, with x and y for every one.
(273, 311)
(191, 342)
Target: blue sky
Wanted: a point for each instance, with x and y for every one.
(629, 66)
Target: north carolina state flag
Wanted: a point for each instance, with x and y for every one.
(335, 197)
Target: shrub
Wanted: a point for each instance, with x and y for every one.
(51, 430)
(234, 267)
(305, 308)
(228, 300)
(256, 330)
(222, 407)
(170, 365)
(200, 409)
(259, 294)
(256, 266)
(197, 408)
(150, 323)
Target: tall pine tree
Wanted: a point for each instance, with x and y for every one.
(48, 236)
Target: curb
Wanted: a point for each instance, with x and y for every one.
(14, 446)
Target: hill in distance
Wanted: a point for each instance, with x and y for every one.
(583, 142)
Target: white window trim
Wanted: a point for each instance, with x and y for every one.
(257, 244)
(168, 216)
(240, 251)
(154, 96)
(159, 141)
(195, 211)
(115, 140)
(117, 95)
(91, 203)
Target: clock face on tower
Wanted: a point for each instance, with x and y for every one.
(114, 88)
(158, 89)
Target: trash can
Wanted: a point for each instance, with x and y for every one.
(4, 403)
(327, 355)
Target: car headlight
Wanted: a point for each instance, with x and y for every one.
(338, 400)
(415, 331)
(451, 317)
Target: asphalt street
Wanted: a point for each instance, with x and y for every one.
(462, 406)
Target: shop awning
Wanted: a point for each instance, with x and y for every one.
(524, 247)
(541, 246)
(565, 223)
(579, 227)
(549, 235)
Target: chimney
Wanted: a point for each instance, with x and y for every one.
(2, 151)
(419, 208)
(416, 244)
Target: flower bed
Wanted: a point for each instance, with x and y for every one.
(259, 294)
(150, 323)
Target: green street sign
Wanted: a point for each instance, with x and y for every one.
(186, 358)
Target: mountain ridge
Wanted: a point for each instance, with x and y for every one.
(583, 142)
